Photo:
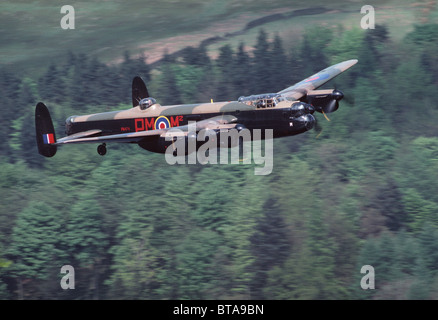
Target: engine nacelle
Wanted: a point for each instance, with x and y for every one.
(306, 122)
(299, 109)
(324, 100)
(230, 138)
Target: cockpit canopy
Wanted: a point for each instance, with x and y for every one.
(146, 103)
(268, 100)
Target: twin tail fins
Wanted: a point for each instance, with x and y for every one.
(45, 133)
(139, 91)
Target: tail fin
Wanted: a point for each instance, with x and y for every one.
(139, 91)
(45, 133)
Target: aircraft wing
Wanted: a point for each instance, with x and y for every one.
(315, 81)
(218, 122)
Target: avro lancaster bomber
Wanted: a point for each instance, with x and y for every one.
(288, 112)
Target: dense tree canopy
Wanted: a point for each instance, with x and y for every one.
(359, 191)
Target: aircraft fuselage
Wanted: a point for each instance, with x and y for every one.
(283, 119)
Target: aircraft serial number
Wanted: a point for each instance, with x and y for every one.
(161, 122)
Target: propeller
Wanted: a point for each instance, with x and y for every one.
(317, 127)
(331, 106)
(325, 116)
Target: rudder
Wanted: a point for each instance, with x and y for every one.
(139, 91)
(45, 133)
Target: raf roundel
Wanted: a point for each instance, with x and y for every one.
(317, 77)
(162, 123)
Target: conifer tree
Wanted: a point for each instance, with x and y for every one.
(169, 92)
(269, 245)
(86, 242)
(35, 247)
(241, 76)
(225, 91)
(279, 71)
(261, 63)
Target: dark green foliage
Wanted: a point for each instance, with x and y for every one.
(261, 64)
(312, 53)
(52, 86)
(35, 248)
(405, 265)
(241, 76)
(134, 227)
(270, 246)
(370, 52)
(424, 34)
(224, 62)
(169, 91)
(195, 272)
(195, 56)
(86, 243)
(279, 69)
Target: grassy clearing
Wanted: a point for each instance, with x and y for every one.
(31, 36)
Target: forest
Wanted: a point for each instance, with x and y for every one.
(358, 190)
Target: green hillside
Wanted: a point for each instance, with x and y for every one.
(31, 35)
(357, 190)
